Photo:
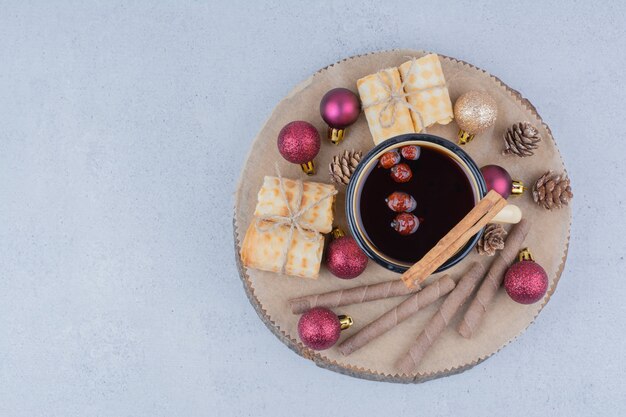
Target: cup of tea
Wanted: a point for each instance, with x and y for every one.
(399, 205)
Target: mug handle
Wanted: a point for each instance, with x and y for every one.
(510, 214)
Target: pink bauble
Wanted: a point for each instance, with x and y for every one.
(340, 108)
(345, 259)
(299, 142)
(526, 282)
(498, 179)
(319, 328)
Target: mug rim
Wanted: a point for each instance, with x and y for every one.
(352, 191)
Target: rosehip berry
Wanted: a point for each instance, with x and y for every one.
(405, 224)
(399, 202)
(411, 152)
(389, 159)
(401, 173)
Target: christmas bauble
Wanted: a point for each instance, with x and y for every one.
(474, 112)
(498, 179)
(526, 282)
(344, 258)
(299, 143)
(319, 328)
(340, 108)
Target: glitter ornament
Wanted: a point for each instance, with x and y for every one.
(319, 328)
(474, 111)
(344, 258)
(299, 143)
(339, 108)
(498, 179)
(526, 282)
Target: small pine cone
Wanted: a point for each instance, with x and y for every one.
(491, 240)
(552, 190)
(342, 166)
(521, 139)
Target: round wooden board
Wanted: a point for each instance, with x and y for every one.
(451, 354)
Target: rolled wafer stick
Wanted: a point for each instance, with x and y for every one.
(355, 295)
(396, 315)
(493, 280)
(442, 317)
(454, 240)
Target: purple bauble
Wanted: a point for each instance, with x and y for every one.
(340, 108)
(498, 179)
(526, 282)
(299, 142)
(319, 328)
(345, 259)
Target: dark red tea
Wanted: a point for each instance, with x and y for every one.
(443, 194)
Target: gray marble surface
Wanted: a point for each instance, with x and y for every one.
(123, 128)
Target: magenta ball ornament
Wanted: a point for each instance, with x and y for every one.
(526, 282)
(340, 108)
(319, 328)
(299, 143)
(344, 258)
(498, 179)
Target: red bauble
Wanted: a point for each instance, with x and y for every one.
(319, 328)
(299, 142)
(340, 108)
(526, 282)
(344, 258)
(498, 179)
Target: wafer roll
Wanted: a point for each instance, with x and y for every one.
(493, 280)
(440, 320)
(355, 295)
(397, 315)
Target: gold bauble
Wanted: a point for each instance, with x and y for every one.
(474, 112)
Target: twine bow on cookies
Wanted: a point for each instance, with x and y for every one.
(399, 97)
(293, 218)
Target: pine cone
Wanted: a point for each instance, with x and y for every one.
(491, 240)
(552, 190)
(342, 166)
(521, 139)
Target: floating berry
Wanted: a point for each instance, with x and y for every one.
(411, 152)
(401, 173)
(389, 159)
(400, 202)
(405, 224)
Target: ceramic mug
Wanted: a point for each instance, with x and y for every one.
(357, 210)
